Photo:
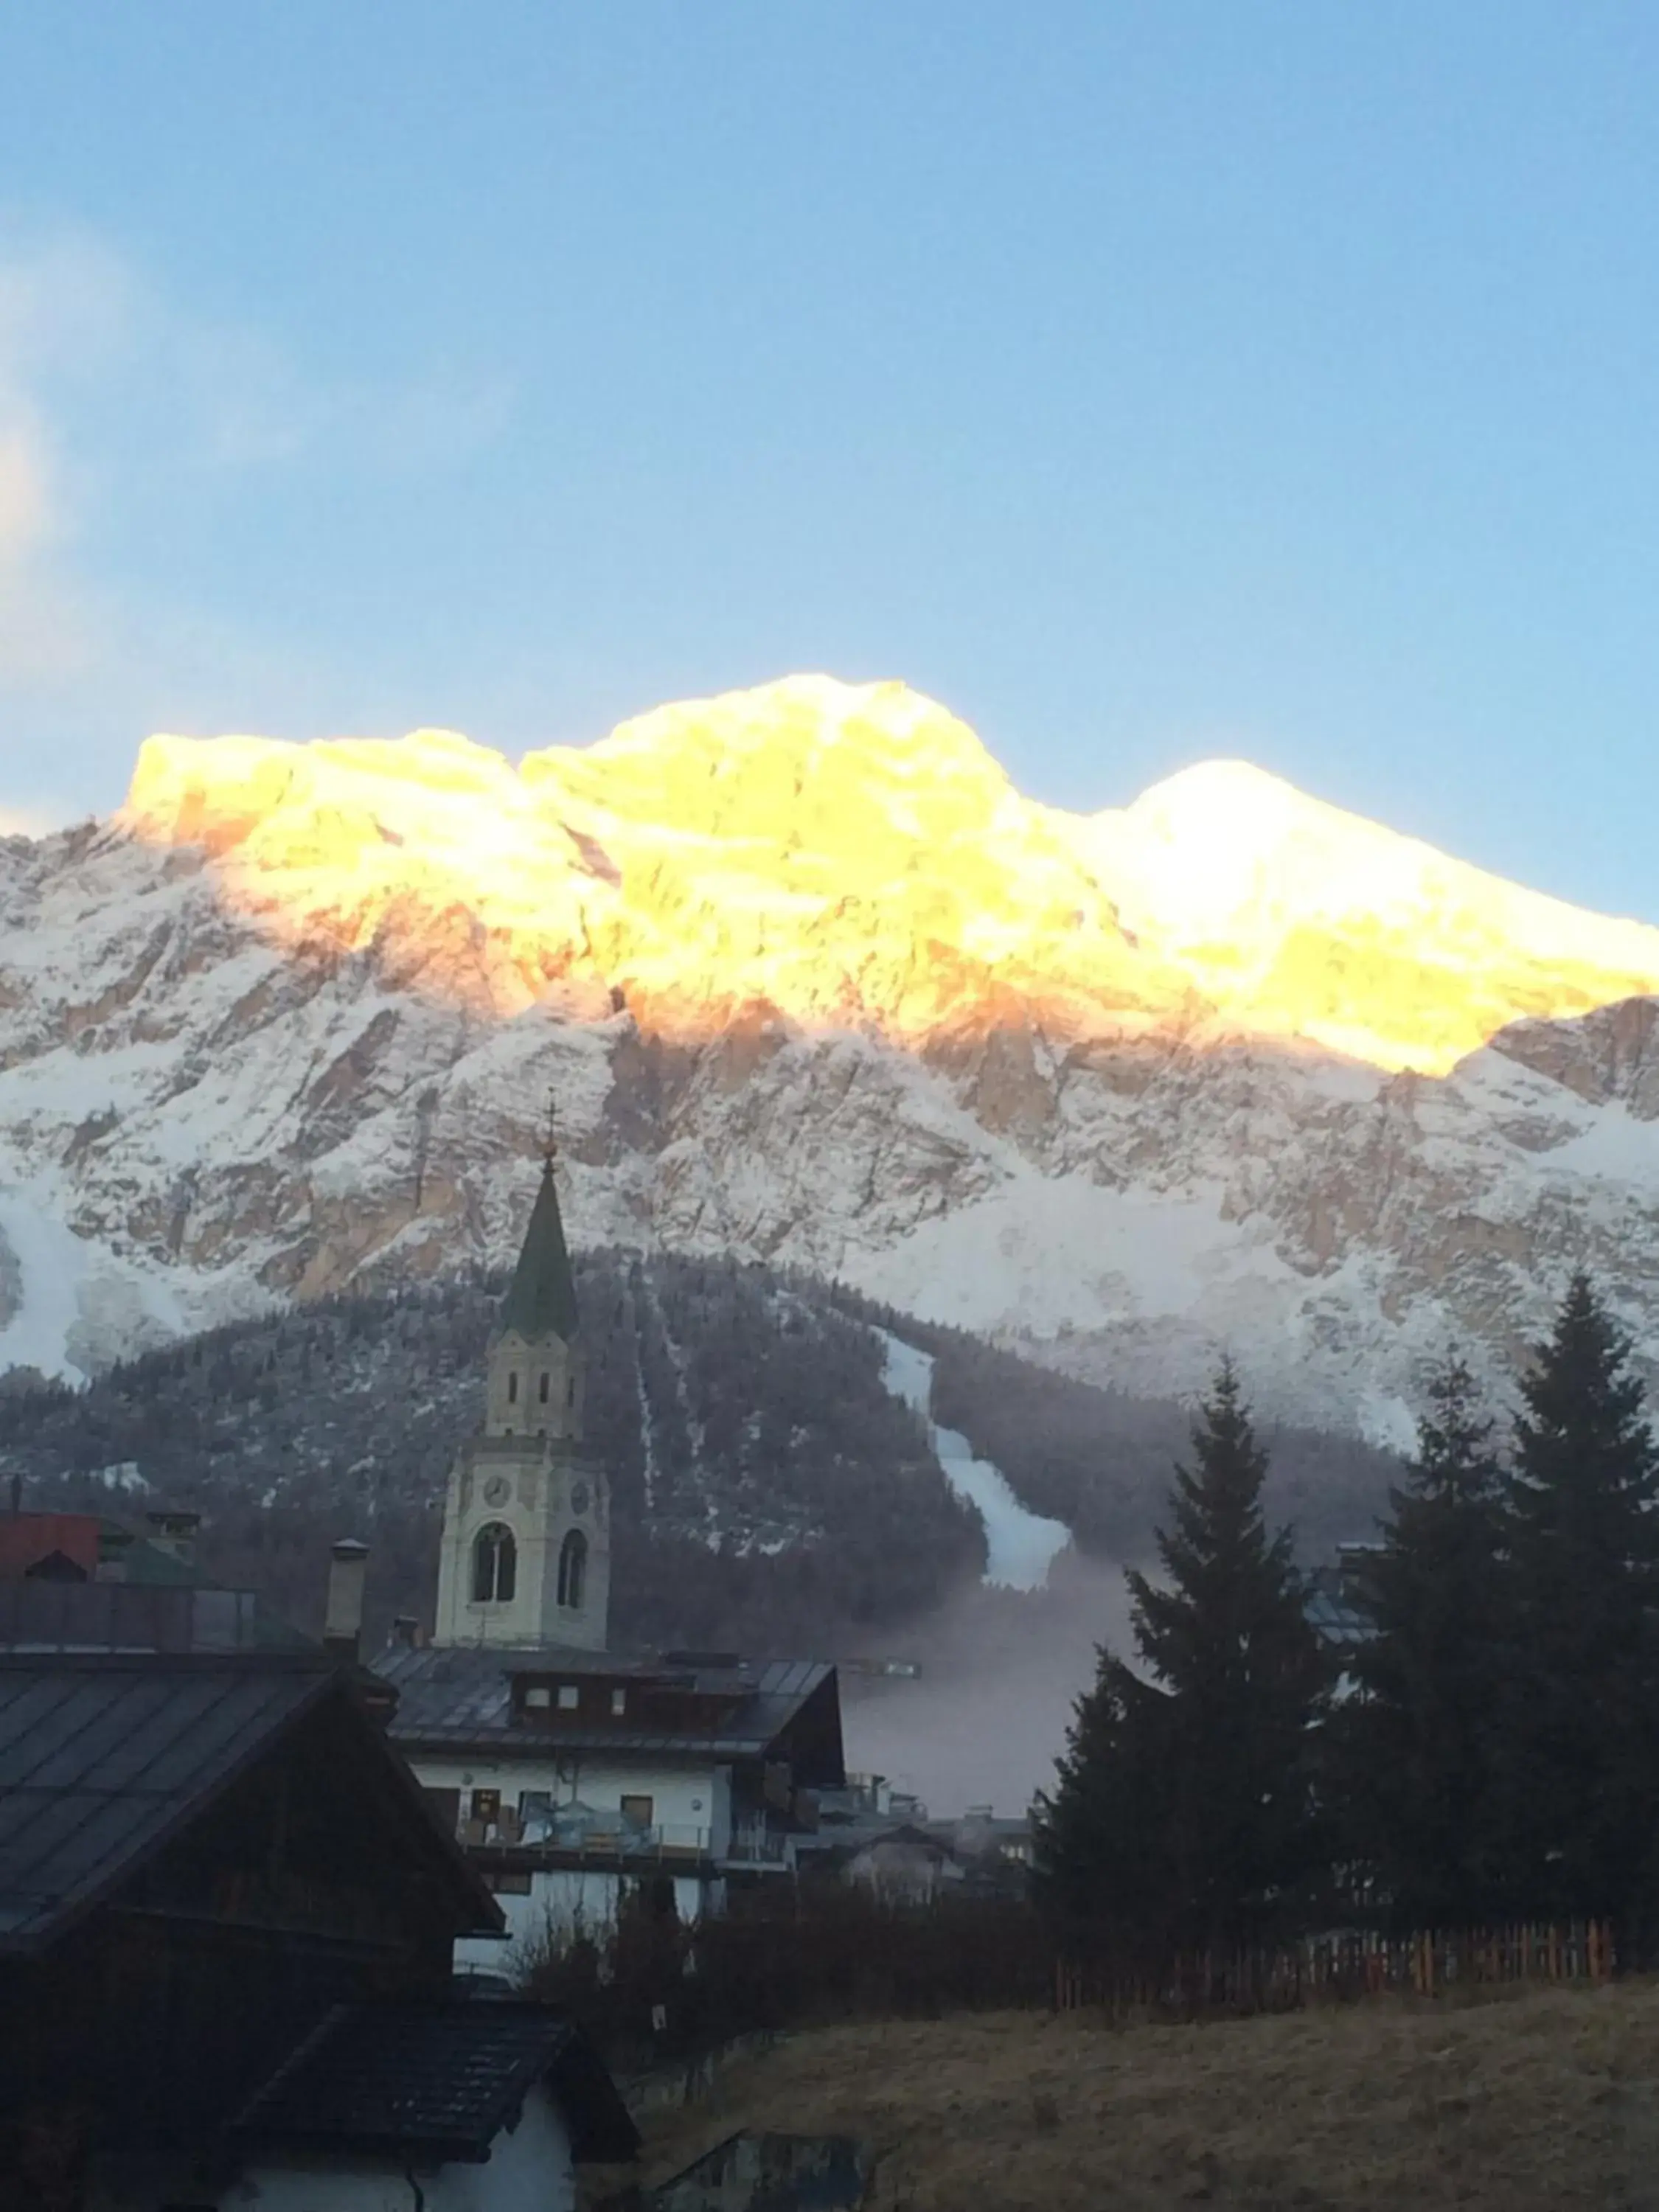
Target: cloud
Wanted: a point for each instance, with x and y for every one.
(25, 500)
(64, 308)
(131, 416)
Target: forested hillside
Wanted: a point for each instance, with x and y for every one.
(1100, 1460)
(767, 1488)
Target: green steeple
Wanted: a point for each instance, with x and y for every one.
(541, 1300)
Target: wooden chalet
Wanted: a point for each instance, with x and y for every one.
(206, 1858)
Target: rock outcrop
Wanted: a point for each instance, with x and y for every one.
(812, 982)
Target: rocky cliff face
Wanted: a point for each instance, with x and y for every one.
(813, 983)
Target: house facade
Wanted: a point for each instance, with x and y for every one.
(570, 1776)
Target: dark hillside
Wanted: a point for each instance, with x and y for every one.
(768, 1490)
(766, 1487)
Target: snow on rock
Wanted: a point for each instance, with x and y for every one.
(1020, 1546)
(63, 1300)
(1225, 1069)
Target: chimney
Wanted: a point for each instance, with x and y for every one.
(405, 1632)
(343, 1624)
(172, 1530)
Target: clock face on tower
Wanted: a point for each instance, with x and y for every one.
(498, 1489)
(579, 1498)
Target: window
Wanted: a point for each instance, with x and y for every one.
(619, 1701)
(487, 1806)
(636, 1812)
(570, 1697)
(508, 1881)
(573, 1571)
(546, 1379)
(538, 1697)
(494, 1564)
(513, 1386)
(570, 1392)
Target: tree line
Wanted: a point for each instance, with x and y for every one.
(1478, 1744)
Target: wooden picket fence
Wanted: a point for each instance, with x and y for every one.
(1334, 1968)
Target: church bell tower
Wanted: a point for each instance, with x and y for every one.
(526, 1540)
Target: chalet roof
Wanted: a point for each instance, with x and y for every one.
(463, 1695)
(105, 1756)
(434, 2082)
(541, 1299)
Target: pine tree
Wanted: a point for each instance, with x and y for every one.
(1183, 1806)
(1584, 1716)
(1417, 1749)
(1099, 1837)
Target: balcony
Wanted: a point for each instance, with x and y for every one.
(603, 1840)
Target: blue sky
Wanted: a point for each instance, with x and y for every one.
(1145, 382)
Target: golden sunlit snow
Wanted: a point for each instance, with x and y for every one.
(847, 856)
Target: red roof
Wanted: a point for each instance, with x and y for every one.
(25, 1539)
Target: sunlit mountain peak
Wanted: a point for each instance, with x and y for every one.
(851, 856)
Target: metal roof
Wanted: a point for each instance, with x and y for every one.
(434, 2082)
(103, 1755)
(541, 1299)
(463, 1695)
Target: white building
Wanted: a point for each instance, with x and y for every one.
(474, 2108)
(567, 1770)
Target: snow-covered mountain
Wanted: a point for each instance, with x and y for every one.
(812, 982)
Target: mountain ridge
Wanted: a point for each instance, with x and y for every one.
(814, 985)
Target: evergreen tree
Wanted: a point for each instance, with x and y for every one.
(1183, 1806)
(1418, 1754)
(1584, 1715)
(1099, 1837)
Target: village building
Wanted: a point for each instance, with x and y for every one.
(493, 2104)
(570, 1772)
(221, 1891)
(80, 1581)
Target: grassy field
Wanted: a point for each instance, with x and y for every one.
(1545, 2098)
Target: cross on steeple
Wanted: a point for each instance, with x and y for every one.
(550, 1141)
(541, 1299)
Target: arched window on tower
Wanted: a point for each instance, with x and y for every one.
(512, 1386)
(546, 1378)
(494, 1564)
(573, 1571)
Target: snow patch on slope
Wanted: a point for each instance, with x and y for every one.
(1020, 1546)
(61, 1302)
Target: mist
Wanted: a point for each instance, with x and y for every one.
(1001, 1670)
